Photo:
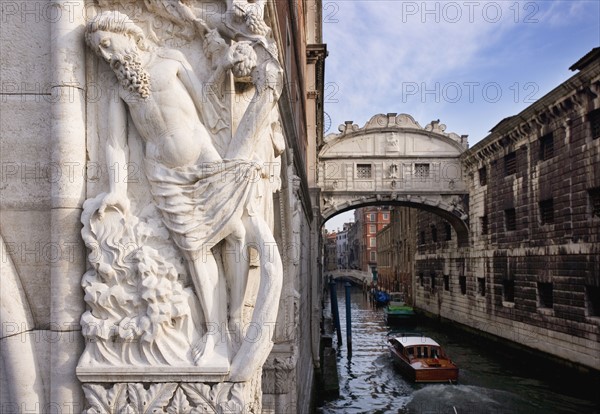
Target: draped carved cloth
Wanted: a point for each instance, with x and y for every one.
(200, 203)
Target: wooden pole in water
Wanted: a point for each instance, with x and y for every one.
(335, 311)
(348, 320)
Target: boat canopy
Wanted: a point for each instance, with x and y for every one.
(414, 340)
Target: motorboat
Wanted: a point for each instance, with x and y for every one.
(397, 312)
(422, 359)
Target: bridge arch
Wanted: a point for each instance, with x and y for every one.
(392, 160)
(357, 276)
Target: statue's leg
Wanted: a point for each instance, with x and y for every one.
(212, 295)
(236, 261)
(253, 353)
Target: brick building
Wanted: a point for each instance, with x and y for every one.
(532, 271)
(368, 221)
(395, 252)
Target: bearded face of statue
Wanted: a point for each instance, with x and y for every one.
(121, 53)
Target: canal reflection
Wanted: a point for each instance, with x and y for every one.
(492, 379)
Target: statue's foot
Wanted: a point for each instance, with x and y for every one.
(211, 353)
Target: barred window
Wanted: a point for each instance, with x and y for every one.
(547, 211)
(448, 228)
(510, 163)
(483, 176)
(594, 195)
(462, 281)
(594, 117)
(592, 300)
(422, 237)
(363, 171)
(421, 171)
(510, 219)
(508, 290)
(481, 286)
(483, 222)
(546, 147)
(545, 298)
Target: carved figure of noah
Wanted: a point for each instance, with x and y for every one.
(202, 198)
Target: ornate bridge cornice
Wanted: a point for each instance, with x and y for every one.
(396, 122)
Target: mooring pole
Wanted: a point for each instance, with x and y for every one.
(348, 320)
(335, 311)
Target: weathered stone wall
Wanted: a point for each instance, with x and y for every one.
(532, 269)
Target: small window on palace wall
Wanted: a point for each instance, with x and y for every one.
(373, 256)
(592, 300)
(462, 281)
(510, 163)
(422, 237)
(421, 280)
(594, 118)
(594, 195)
(545, 299)
(373, 242)
(372, 228)
(448, 229)
(432, 281)
(363, 171)
(446, 282)
(510, 219)
(508, 290)
(481, 286)
(434, 234)
(421, 171)
(546, 147)
(483, 223)
(547, 211)
(483, 176)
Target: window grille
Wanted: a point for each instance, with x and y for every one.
(546, 147)
(510, 163)
(594, 195)
(510, 219)
(421, 171)
(594, 117)
(545, 298)
(508, 290)
(547, 211)
(363, 171)
(483, 176)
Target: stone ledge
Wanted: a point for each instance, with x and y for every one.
(152, 374)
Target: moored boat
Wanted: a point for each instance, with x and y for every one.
(422, 359)
(397, 311)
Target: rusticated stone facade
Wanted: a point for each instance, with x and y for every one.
(531, 273)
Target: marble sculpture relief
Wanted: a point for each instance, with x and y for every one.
(169, 277)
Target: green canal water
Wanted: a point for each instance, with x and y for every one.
(492, 379)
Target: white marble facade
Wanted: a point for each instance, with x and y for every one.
(161, 149)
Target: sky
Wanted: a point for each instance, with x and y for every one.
(467, 63)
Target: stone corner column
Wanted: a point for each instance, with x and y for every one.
(68, 146)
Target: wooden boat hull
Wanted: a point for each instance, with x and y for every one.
(446, 373)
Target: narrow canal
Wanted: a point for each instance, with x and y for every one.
(492, 379)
